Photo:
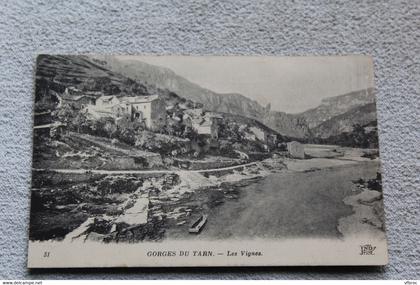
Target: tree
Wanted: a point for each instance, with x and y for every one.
(189, 133)
(66, 113)
(132, 87)
(127, 136)
(110, 128)
(230, 131)
(99, 127)
(358, 136)
(173, 127)
(144, 139)
(111, 89)
(80, 122)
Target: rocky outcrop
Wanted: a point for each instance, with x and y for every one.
(335, 115)
(344, 123)
(287, 124)
(334, 106)
(165, 78)
(292, 125)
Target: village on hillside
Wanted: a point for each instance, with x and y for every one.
(179, 130)
(90, 132)
(139, 163)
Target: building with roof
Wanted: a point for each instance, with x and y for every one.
(262, 135)
(106, 103)
(206, 127)
(296, 150)
(77, 98)
(149, 110)
(202, 123)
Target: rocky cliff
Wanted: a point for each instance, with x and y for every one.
(165, 78)
(301, 126)
(344, 123)
(333, 116)
(334, 106)
(290, 125)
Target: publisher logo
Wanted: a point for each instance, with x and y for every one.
(367, 249)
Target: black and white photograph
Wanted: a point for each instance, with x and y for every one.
(205, 161)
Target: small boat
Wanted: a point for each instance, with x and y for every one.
(198, 225)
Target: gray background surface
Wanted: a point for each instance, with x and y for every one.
(387, 30)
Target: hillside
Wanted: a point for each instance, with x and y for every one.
(363, 136)
(57, 72)
(111, 76)
(292, 125)
(343, 123)
(334, 106)
(165, 78)
(72, 69)
(231, 103)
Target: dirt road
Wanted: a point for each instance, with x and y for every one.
(118, 172)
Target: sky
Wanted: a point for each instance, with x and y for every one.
(289, 84)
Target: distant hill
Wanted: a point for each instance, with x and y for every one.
(300, 126)
(332, 116)
(334, 106)
(290, 125)
(363, 136)
(165, 78)
(231, 103)
(343, 123)
(73, 70)
(335, 115)
(57, 72)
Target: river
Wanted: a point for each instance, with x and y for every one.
(302, 202)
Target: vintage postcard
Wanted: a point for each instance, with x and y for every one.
(155, 161)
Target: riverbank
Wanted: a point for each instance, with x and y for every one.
(286, 204)
(109, 202)
(273, 198)
(368, 217)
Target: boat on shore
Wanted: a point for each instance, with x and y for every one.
(197, 226)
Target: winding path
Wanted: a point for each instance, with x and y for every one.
(118, 172)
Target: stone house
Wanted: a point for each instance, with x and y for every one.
(81, 101)
(202, 123)
(106, 103)
(206, 127)
(263, 136)
(149, 110)
(77, 98)
(295, 150)
(259, 133)
(271, 139)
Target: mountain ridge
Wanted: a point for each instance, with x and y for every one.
(298, 125)
(344, 123)
(336, 105)
(165, 78)
(113, 76)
